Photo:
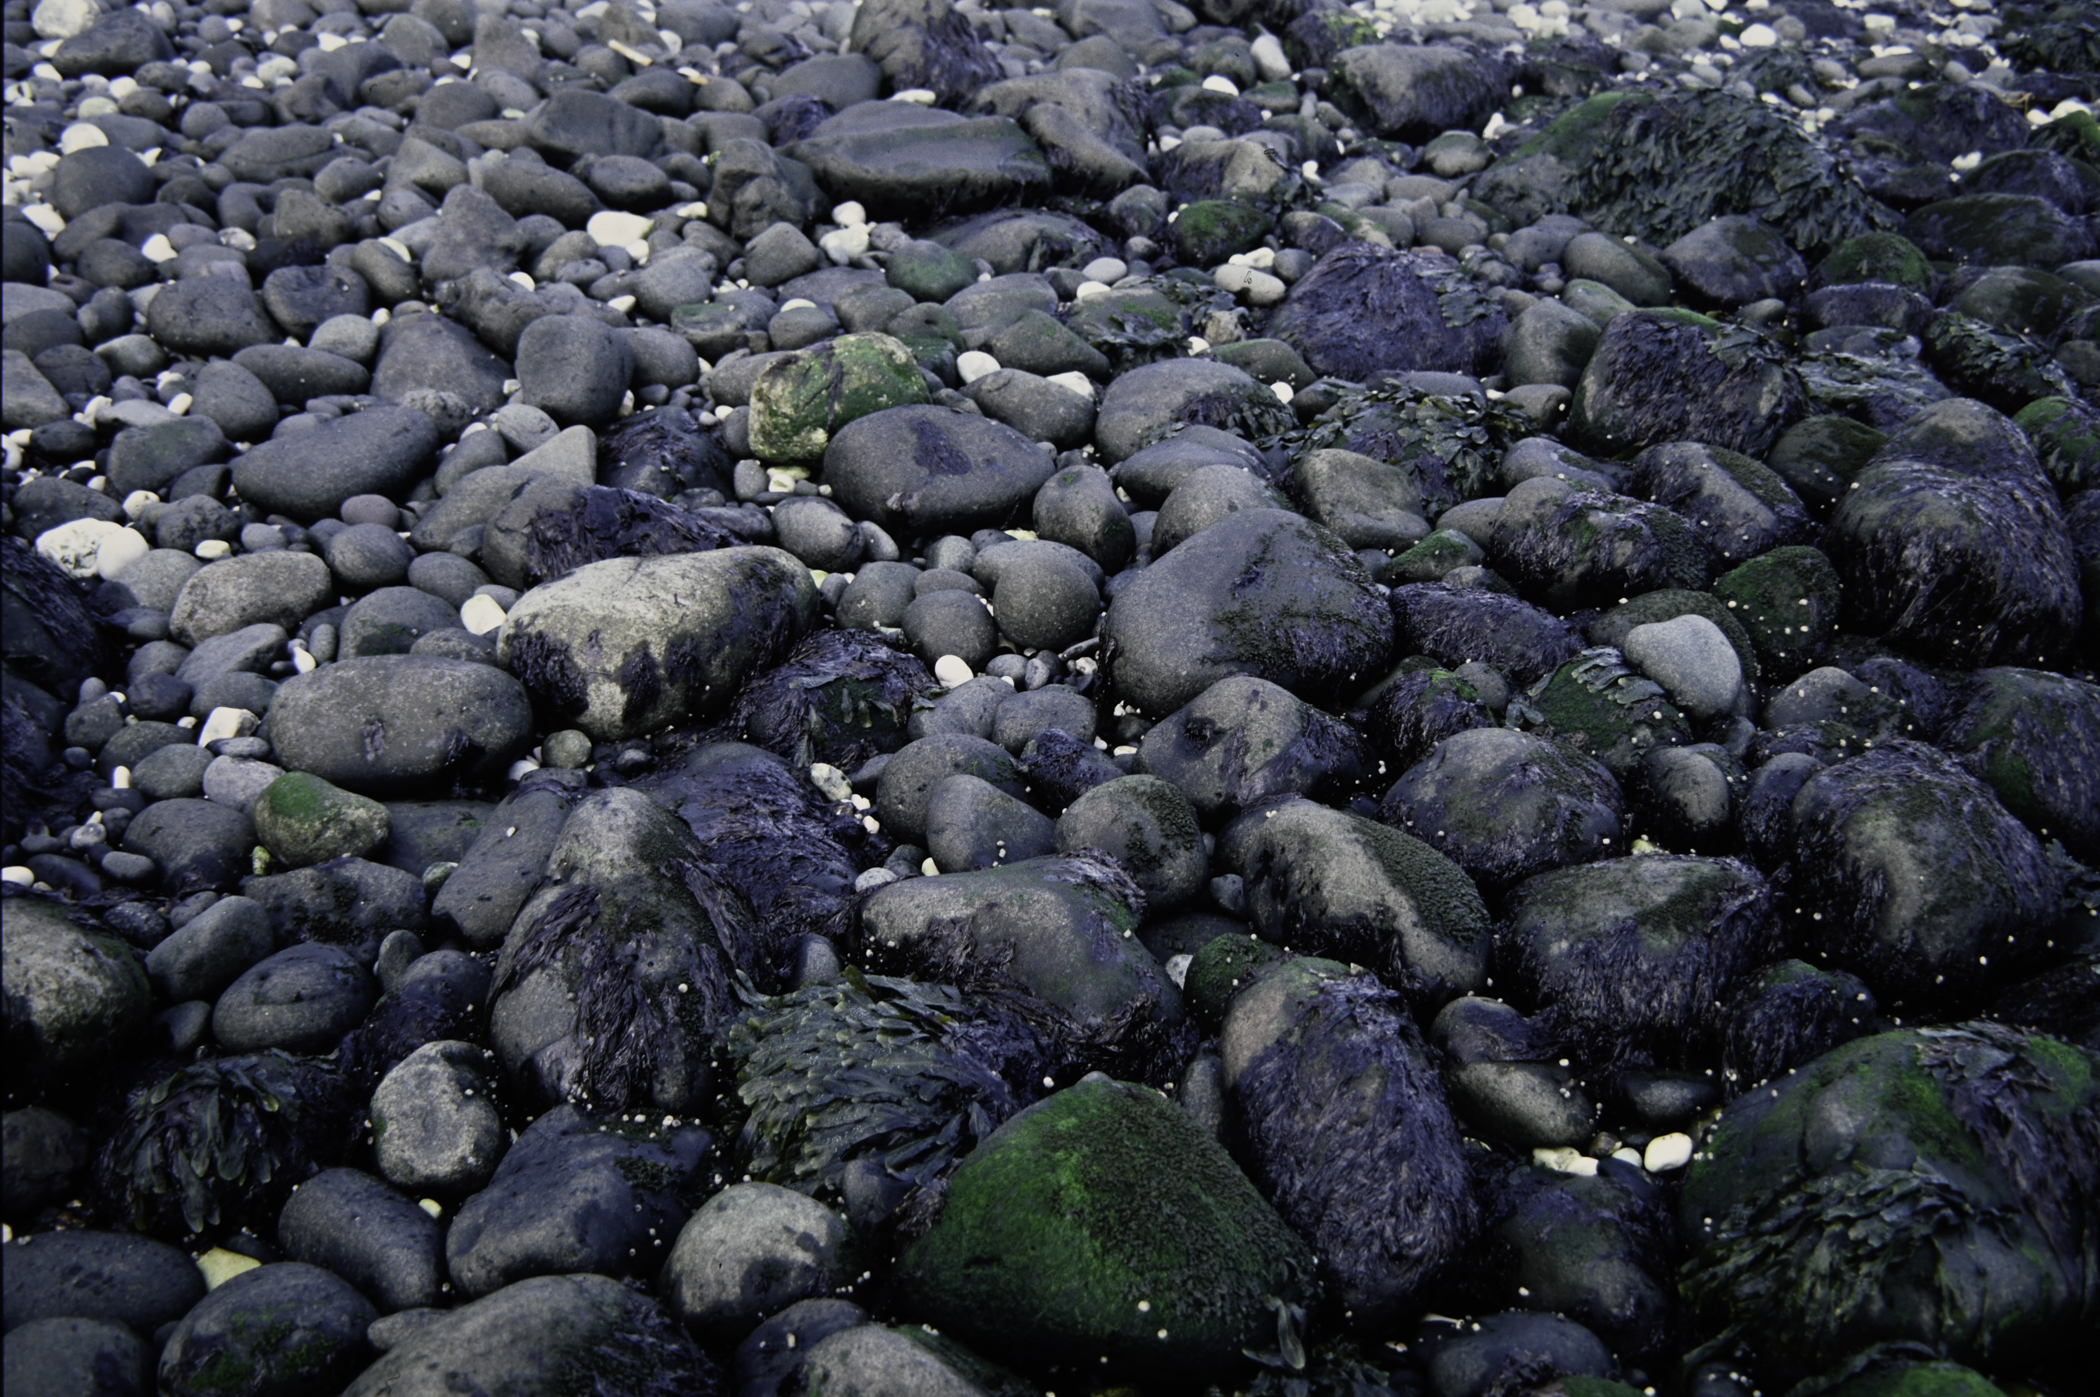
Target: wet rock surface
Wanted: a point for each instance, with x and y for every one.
(1240, 697)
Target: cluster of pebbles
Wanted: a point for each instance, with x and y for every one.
(916, 698)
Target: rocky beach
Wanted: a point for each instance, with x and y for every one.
(1246, 698)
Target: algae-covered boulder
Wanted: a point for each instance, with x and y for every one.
(1365, 309)
(1346, 1123)
(1263, 592)
(1598, 1248)
(1104, 1222)
(303, 820)
(841, 697)
(1414, 711)
(625, 646)
(1243, 741)
(1787, 600)
(800, 401)
(1584, 547)
(1329, 883)
(1505, 805)
(1790, 1015)
(1735, 506)
(1598, 706)
(1909, 871)
(1626, 958)
(2034, 737)
(1059, 929)
(868, 1088)
(1930, 1186)
(1670, 375)
(614, 982)
(1458, 625)
(545, 1337)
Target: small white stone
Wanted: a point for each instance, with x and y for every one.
(222, 723)
(918, 96)
(611, 228)
(973, 364)
(1264, 289)
(481, 613)
(181, 403)
(1759, 36)
(81, 136)
(849, 214)
(17, 874)
(1087, 290)
(1178, 969)
(304, 661)
(120, 778)
(213, 549)
(158, 249)
(1106, 269)
(1564, 1159)
(622, 304)
(119, 551)
(951, 671)
(1217, 82)
(831, 781)
(135, 503)
(1076, 381)
(62, 19)
(72, 546)
(1269, 58)
(1667, 1152)
(523, 281)
(1232, 278)
(522, 768)
(844, 244)
(1283, 391)
(50, 220)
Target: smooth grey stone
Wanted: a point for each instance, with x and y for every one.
(750, 1251)
(77, 1358)
(377, 1239)
(302, 999)
(210, 951)
(1147, 825)
(292, 1327)
(119, 1276)
(436, 1125)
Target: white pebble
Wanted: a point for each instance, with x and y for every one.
(1564, 1159)
(158, 249)
(1076, 381)
(1269, 58)
(1087, 290)
(951, 671)
(973, 364)
(18, 874)
(481, 613)
(135, 503)
(223, 723)
(72, 547)
(845, 244)
(119, 551)
(849, 214)
(1178, 969)
(611, 228)
(1233, 278)
(1264, 289)
(1217, 82)
(918, 96)
(213, 549)
(81, 135)
(1283, 391)
(831, 781)
(1666, 1152)
(1759, 36)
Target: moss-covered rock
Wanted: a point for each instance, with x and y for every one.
(799, 402)
(1580, 547)
(1818, 456)
(1211, 230)
(1661, 375)
(75, 994)
(304, 820)
(1598, 706)
(1792, 1014)
(1929, 1185)
(2034, 737)
(2066, 436)
(1879, 256)
(1787, 603)
(1597, 1248)
(1103, 1223)
(1416, 709)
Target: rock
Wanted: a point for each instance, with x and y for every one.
(197, 843)
(1583, 547)
(574, 1196)
(1506, 805)
(346, 903)
(1787, 600)
(971, 824)
(1464, 1361)
(435, 1124)
(1367, 1164)
(927, 470)
(1930, 1084)
(42, 1151)
(1078, 507)
(114, 1277)
(1147, 826)
(91, 1357)
(2026, 733)
(982, 1273)
(1973, 881)
(302, 1000)
(575, 368)
(1735, 507)
(752, 1250)
(924, 44)
(1625, 957)
(1364, 310)
(532, 1337)
(199, 959)
(1342, 885)
(586, 643)
(1413, 92)
(379, 450)
(302, 819)
(1145, 404)
(288, 1327)
(897, 157)
(75, 995)
(208, 315)
(1206, 495)
(1459, 626)
(1727, 389)
(279, 589)
(392, 723)
(838, 697)
(1694, 662)
(441, 996)
(354, 1226)
(1053, 928)
(1244, 741)
(1263, 592)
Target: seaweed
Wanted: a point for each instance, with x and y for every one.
(1452, 443)
(1350, 1134)
(601, 522)
(907, 1074)
(221, 1144)
(1664, 167)
(2059, 38)
(1882, 390)
(2006, 368)
(1798, 1014)
(841, 697)
(1453, 625)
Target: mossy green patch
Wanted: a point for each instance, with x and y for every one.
(1104, 1223)
(1879, 256)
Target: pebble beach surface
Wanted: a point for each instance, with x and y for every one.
(915, 699)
